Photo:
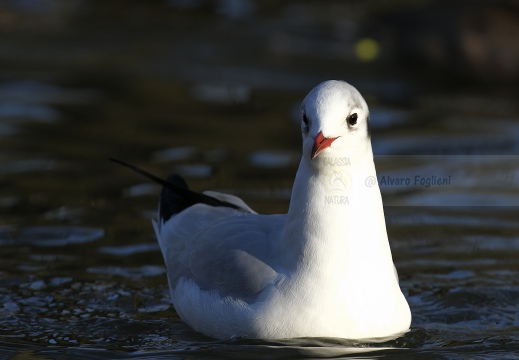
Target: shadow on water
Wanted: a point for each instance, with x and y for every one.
(81, 275)
(255, 349)
(410, 346)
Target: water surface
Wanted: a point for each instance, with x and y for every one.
(81, 275)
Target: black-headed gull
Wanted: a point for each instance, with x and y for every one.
(323, 270)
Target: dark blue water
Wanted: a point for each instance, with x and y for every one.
(81, 275)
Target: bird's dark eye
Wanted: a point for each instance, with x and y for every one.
(305, 119)
(305, 123)
(352, 119)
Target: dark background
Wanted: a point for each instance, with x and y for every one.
(211, 90)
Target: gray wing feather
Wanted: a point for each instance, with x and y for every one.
(220, 249)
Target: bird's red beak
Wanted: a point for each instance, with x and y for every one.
(320, 144)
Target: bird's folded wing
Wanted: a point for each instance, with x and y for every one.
(221, 249)
(231, 199)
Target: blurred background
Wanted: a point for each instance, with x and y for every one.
(217, 80)
(211, 89)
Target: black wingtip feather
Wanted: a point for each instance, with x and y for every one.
(170, 202)
(175, 195)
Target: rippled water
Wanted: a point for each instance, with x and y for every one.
(81, 275)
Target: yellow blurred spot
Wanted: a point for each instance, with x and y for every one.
(367, 49)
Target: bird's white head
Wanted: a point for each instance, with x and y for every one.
(334, 122)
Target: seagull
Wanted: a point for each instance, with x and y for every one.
(324, 269)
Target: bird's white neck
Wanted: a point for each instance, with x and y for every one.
(335, 222)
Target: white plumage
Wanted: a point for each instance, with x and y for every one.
(324, 269)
